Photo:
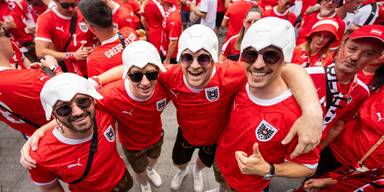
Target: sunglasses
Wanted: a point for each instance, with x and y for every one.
(66, 109)
(202, 59)
(67, 5)
(289, 4)
(269, 57)
(138, 76)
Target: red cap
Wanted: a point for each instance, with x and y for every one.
(366, 31)
(326, 25)
(171, 1)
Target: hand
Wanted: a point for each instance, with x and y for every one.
(32, 144)
(308, 128)
(314, 185)
(9, 23)
(82, 53)
(48, 61)
(253, 164)
(167, 61)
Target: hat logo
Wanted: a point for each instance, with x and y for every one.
(376, 31)
(212, 93)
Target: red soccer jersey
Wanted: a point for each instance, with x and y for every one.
(9, 10)
(360, 134)
(123, 16)
(202, 114)
(348, 98)
(380, 16)
(35, 8)
(64, 158)
(287, 15)
(172, 28)
(220, 6)
(365, 78)
(265, 122)
(235, 15)
(229, 49)
(108, 54)
(311, 19)
(306, 4)
(53, 27)
(268, 3)
(134, 4)
(20, 92)
(154, 14)
(139, 121)
(300, 57)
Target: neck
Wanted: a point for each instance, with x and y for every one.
(326, 13)
(313, 50)
(280, 9)
(270, 91)
(105, 34)
(370, 69)
(4, 61)
(343, 78)
(70, 134)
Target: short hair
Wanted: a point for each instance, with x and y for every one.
(96, 12)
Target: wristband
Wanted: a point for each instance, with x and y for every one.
(53, 68)
(69, 56)
(271, 172)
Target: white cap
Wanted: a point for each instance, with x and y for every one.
(271, 31)
(64, 87)
(199, 37)
(141, 53)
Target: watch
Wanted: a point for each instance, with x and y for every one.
(53, 68)
(271, 172)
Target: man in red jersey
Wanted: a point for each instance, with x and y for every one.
(13, 19)
(202, 92)
(98, 16)
(327, 10)
(281, 10)
(81, 149)
(234, 16)
(172, 28)
(53, 36)
(249, 151)
(152, 20)
(137, 101)
(123, 16)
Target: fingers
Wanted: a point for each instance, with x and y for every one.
(256, 152)
(25, 159)
(291, 134)
(298, 150)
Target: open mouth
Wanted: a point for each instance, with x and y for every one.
(195, 73)
(80, 118)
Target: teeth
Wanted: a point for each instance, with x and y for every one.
(259, 74)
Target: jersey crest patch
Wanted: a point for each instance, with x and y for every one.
(83, 27)
(109, 134)
(160, 105)
(265, 131)
(212, 93)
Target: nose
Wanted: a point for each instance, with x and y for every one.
(195, 64)
(355, 56)
(145, 81)
(76, 110)
(259, 63)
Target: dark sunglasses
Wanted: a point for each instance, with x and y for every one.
(289, 4)
(269, 57)
(138, 76)
(251, 21)
(66, 109)
(67, 5)
(202, 59)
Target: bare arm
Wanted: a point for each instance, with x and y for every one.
(309, 126)
(43, 48)
(332, 134)
(224, 23)
(222, 57)
(171, 48)
(54, 187)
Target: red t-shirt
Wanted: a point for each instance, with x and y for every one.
(108, 54)
(139, 121)
(287, 15)
(268, 3)
(20, 92)
(220, 6)
(202, 114)
(134, 4)
(353, 93)
(306, 4)
(311, 19)
(380, 17)
(235, 15)
(300, 57)
(11, 11)
(360, 134)
(64, 158)
(229, 49)
(153, 14)
(35, 8)
(53, 27)
(365, 78)
(124, 16)
(172, 28)
(265, 122)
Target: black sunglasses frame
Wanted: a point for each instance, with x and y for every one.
(203, 59)
(138, 76)
(67, 5)
(270, 57)
(66, 109)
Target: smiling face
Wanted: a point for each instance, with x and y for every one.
(145, 87)
(80, 113)
(327, 7)
(197, 67)
(63, 8)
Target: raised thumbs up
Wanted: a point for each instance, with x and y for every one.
(253, 164)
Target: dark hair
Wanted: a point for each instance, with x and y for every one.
(242, 32)
(96, 12)
(378, 79)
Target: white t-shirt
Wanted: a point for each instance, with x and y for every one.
(362, 14)
(209, 7)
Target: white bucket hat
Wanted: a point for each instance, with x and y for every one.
(199, 37)
(64, 87)
(139, 54)
(271, 31)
